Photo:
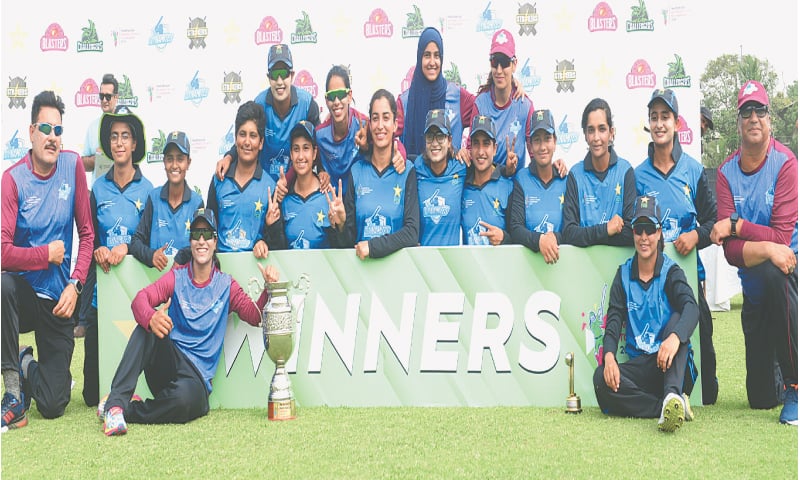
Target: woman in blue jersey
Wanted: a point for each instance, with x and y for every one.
(240, 200)
(381, 207)
(164, 227)
(117, 201)
(486, 191)
(598, 204)
(690, 210)
(651, 298)
(505, 103)
(440, 181)
(538, 196)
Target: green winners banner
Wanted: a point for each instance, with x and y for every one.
(454, 326)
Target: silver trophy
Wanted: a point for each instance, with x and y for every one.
(277, 320)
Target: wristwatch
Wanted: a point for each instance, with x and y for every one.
(78, 285)
(734, 219)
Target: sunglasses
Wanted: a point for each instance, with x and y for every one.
(46, 128)
(106, 96)
(645, 227)
(204, 233)
(747, 112)
(279, 73)
(338, 94)
(500, 59)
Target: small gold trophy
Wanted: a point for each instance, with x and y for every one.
(573, 401)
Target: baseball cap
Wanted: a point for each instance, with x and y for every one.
(205, 214)
(753, 91)
(647, 207)
(482, 123)
(667, 96)
(180, 140)
(304, 128)
(437, 117)
(706, 113)
(279, 53)
(542, 120)
(503, 42)
(122, 114)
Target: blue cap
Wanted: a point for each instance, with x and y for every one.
(542, 120)
(207, 215)
(646, 206)
(667, 96)
(482, 123)
(437, 118)
(279, 53)
(180, 140)
(304, 128)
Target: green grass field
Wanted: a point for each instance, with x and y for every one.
(727, 440)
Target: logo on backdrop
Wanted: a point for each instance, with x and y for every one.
(160, 36)
(16, 92)
(87, 95)
(529, 78)
(156, 153)
(15, 148)
(126, 96)
(565, 75)
(414, 24)
(304, 81)
(640, 21)
(568, 134)
(378, 25)
(268, 32)
(303, 33)
(227, 141)
(685, 134)
(602, 19)
(527, 18)
(89, 41)
(54, 39)
(640, 76)
(453, 75)
(197, 32)
(196, 90)
(594, 328)
(232, 87)
(676, 77)
(488, 22)
(405, 84)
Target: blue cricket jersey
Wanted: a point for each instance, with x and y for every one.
(487, 203)
(440, 202)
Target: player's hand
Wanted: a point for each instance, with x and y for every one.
(614, 226)
(362, 249)
(721, 231)
(55, 252)
(336, 212)
(494, 234)
(464, 157)
(561, 168)
(223, 165)
(66, 302)
(160, 258)
(686, 242)
(273, 207)
(611, 371)
(101, 258)
(270, 273)
(519, 90)
(398, 161)
(160, 323)
(260, 249)
(782, 257)
(548, 246)
(361, 137)
(281, 186)
(117, 254)
(324, 181)
(511, 157)
(667, 351)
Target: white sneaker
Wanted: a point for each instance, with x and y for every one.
(672, 413)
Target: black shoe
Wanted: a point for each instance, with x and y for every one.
(26, 395)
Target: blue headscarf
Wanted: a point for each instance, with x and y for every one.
(423, 95)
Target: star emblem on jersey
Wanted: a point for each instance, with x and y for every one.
(320, 217)
(138, 204)
(397, 190)
(188, 224)
(496, 203)
(686, 189)
(618, 190)
(259, 205)
(561, 199)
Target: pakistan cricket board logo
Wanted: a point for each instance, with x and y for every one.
(160, 36)
(89, 41)
(156, 153)
(196, 90)
(303, 32)
(54, 39)
(565, 75)
(126, 96)
(677, 74)
(602, 19)
(527, 18)
(640, 21)
(268, 32)
(197, 32)
(378, 25)
(16, 92)
(414, 24)
(232, 87)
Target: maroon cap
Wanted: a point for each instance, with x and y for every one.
(503, 42)
(753, 91)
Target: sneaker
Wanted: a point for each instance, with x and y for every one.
(101, 407)
(26, 395)
(789, 410)
(687, 408)
(114, 423)
(672, 413)
(13, 413)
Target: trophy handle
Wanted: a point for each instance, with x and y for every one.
(254, 287)
(303, 283)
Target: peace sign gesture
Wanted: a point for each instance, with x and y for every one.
(273, 207)
(160, 323)
(336, 212)
(511, 156)
(361, 136)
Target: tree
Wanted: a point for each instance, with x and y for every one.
(720, 84)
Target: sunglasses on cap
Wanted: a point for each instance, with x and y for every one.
(46, 128)
(747, 112)
(106, 96)
(279, 73)
(204, 233)
(500, 59)
(645, 227)
(338, 94)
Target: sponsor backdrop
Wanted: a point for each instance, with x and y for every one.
(188, 66)
(422, 327)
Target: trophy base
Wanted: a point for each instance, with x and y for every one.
(281, 410)
(573, 405)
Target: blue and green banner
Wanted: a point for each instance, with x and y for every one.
(452, 326)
